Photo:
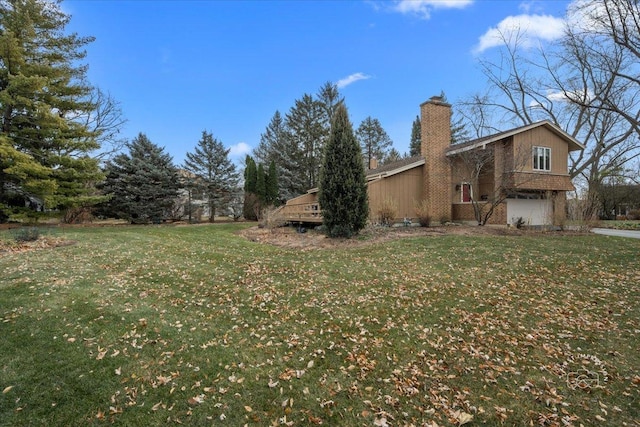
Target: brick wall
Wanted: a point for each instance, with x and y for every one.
(435, 122)
(464, 212)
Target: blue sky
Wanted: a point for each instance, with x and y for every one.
(181, 67)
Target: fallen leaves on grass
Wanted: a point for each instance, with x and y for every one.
(436, 334)
(43, 242)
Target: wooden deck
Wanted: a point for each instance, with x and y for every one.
(301, 213)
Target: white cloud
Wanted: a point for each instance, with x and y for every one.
(529, 29)
(351, 79)
(587, 16)
(559, 96)
(532, 6)
(525, 7)
(239, 150)
(423, 8)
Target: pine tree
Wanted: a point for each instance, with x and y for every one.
(459, 133)
(343, 188)
(43, 90)
(373, 139)
(296, 143)
(392, 156)
(329, 98)
(217, 175)
(143, 184)
(277, 145)
(271, 141)
(415, 145)
(305, 130)
(21, 177)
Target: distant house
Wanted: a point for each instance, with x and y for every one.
(521, 174)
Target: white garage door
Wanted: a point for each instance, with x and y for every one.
(533, 212)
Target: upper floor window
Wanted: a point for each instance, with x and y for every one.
(542, 158)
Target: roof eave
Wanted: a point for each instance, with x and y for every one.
(572, 143)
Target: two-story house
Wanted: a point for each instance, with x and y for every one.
(517, 175)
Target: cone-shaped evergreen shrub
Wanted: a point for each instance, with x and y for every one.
(343, 186)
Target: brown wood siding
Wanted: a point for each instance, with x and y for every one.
(540, 181)
(540, 137)
(404, 189)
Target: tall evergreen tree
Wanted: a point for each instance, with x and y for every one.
(459, 132)
(373, 139)
(271, 141)
(296, 142)
(392, 156)
(305, 129)
(251, 201)
(277, 145)
(217, 175)
(250, 175)
(261, 185)
(415, 145)
(21, 178)
(143, 184)
(272, 184)
(329, 98)
(43, 90)
(343, 187)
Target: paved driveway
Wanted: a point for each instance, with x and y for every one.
(617, 233)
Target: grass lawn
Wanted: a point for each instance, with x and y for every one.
(198, 326)
(620, 225)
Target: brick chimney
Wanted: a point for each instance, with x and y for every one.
(435, 122)
(373, 163)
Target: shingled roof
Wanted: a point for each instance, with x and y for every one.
(395, 167)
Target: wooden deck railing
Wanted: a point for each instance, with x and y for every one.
(303, 212)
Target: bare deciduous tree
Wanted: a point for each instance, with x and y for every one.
(588, 86)
(491, 181)
(605, 39)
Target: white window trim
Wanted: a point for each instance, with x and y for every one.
(535, 155)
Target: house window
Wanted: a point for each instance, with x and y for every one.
(541, 158)
(467, 193)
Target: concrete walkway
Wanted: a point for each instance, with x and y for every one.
(617, 233)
